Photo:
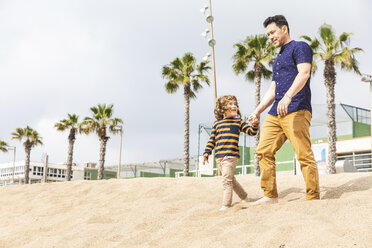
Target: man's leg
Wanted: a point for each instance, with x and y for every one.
(272, 138)
(296, 126)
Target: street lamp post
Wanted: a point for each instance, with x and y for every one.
(211, 43)
(14, 157)
(120, 129)
(368, 78)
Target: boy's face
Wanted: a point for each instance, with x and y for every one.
(232, 109)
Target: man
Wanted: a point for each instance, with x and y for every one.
(290, 115)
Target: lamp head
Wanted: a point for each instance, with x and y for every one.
(204, 9)
(211, 42)
(366, 78)
(205, 33)
(206, 57)
(210, 19)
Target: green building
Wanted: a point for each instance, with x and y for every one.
(91, 172)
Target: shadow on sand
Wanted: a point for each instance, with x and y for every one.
(355, 185)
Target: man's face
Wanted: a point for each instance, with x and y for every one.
(276, 35)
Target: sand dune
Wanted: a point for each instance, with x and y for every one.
(183, 212)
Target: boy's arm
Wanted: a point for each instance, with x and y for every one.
(250, 130)
(210, 145)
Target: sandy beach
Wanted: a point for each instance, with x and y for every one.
(183, 212)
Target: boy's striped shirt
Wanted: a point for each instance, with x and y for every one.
(225, 137)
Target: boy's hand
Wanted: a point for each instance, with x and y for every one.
(253, 120)
(205, 160)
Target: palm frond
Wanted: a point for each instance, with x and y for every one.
(239, 67)
(30, 135)
(188, 59)
(306, 38)
(203, 67)
(314, 44)
(343, 39)
(314, 67)
(195, 85)
(192, 94)
(185, 71)
(3, 146)
(266, 73)
(113, 124)
(101, 116)
(327, 35)
(250, 75)
(18, 134)
(171, 87)
(255, 49)
(202, 77)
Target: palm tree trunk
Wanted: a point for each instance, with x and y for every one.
(27, 161)
(257, 82)
(330, 81)
(102, 154)
(71, 141)
(186, 94)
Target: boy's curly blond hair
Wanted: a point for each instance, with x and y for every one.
(221, 106)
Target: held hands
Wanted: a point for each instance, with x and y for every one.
(253, 119)
(282, 108)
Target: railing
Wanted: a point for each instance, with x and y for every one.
(359, 160)
(242, 167)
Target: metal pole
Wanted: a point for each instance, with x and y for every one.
(370, 112)
(197, 158)
(368, 78)
(121, 142)
(244, 143)
(45, 174)
(213, 57)
(14, 157)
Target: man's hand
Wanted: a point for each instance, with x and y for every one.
(253, 119)
(282, 108)
(205, 160)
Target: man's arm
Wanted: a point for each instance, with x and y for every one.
(299, 82)
(266, 101)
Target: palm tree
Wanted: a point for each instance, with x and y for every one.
(99, 122)
(3, 146)
(333, 51)
(71, 123)
(186, 73)
(32, 139)
(255, 49)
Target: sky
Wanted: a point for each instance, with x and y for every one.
(60, 57)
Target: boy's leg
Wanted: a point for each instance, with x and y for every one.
(296, 126)
(238, 189)
(227, 169)
(272, 138)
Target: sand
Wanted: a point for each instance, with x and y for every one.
(183, 212)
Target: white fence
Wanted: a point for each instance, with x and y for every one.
(242, 167)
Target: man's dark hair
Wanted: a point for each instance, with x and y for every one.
(279, 20)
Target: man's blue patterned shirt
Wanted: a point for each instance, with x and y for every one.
(285, 72)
